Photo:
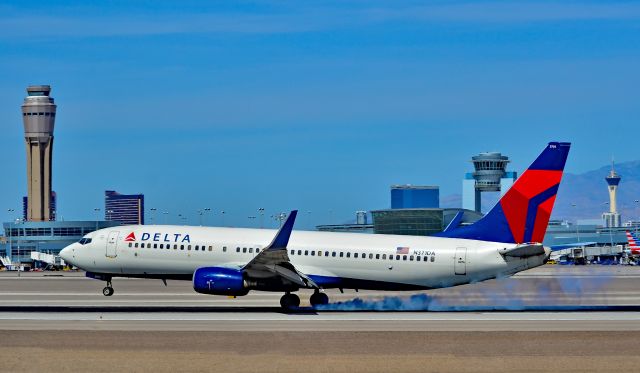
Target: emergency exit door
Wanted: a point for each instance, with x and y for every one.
(460, 261)
(112, 244)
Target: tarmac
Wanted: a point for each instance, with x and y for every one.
(551, 318)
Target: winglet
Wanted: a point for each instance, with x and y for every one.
(281, 239)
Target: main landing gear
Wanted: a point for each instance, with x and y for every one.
(289, 301)
(108, 290)
(318, 299)
(292, 301)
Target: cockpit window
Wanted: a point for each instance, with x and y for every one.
(84, 241)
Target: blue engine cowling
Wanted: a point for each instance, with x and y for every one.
(219, 281)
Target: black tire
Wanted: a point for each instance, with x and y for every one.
(290, 301)
(107, 291)
(319, 299)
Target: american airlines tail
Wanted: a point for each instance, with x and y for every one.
(523, 213)
(235, 261)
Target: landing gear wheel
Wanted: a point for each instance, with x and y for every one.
(289, 301)
(319, 298)
(107, 291)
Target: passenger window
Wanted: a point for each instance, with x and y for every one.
(377, 256)
(390, 257)
(189, 247)
(136, 245)
(293, 252)
(197, 247)
(418, 258)
(341, 254)
(210, 248)
(433, 258)
(348, 254)
(397, 257)
(224, 249)
(326, 253)
(130, 244)
(384, 256)
(370, 256)
(237, 249)
(162, 246)
(181, 247)
(306, 252)
(404, 257)
(299, 252)
(155, 245)
(244, 249)
(257, 250)
(148, 246)
(333, 254)
(251, 250)
(411, 258)
(355, 255)
(313, 253)
(175, 247)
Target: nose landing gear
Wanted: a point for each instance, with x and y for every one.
(108, 290)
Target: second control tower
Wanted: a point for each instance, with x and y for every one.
(612, 218)
(38, 116)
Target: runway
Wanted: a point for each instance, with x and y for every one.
(548, 298)
(582, 319)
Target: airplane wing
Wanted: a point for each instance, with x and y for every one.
(273, 261)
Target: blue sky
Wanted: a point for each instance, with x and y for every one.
(318, 106)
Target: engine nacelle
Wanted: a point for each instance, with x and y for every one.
(219, 281)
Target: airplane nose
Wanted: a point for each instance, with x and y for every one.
(67, 253)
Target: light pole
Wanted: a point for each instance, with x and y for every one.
(166, 216)
(576, 217)
(222, 217)
(10, 211)
(251, 218)
(97, 211)
(261, 212)
(153, 212)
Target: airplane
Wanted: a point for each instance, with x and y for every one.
(235, 261)
(633, 249)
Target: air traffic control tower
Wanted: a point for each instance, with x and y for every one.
(490, 176)
(612, 218)
(38, 116)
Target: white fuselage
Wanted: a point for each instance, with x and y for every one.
(396, 261)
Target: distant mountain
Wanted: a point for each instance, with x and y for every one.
(588, 191)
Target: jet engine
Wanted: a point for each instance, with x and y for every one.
(220, 281)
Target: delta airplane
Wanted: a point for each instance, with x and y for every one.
(234, 261)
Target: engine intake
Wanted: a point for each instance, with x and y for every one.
(220, 281)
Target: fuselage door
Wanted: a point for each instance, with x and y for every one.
(460, 261)
(112, 244)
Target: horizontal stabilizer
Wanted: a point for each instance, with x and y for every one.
(523, 251)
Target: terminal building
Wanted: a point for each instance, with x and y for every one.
(415, 210)
(24, 237)
(125, 209)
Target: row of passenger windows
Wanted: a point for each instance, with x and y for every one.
(45, 114)
(175, 246)
(319, 253)
(347, 254)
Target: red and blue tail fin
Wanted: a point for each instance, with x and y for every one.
(523, 213)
